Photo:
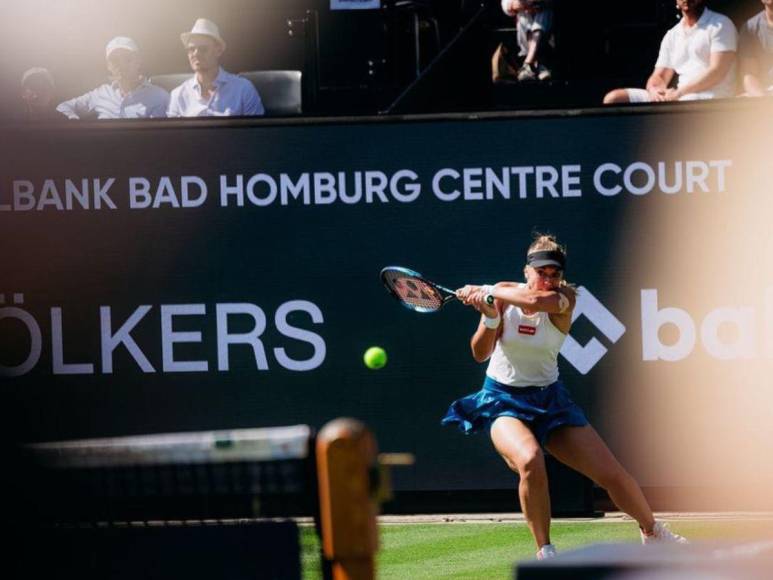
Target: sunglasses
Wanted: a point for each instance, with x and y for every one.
(201, 49)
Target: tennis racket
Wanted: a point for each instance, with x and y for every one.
(414, 291)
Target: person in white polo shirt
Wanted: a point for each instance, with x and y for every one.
(128, 96)
(701, 49)
(211, 92)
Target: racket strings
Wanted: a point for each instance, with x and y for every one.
(414, 291)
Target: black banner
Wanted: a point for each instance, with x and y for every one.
(188, 276)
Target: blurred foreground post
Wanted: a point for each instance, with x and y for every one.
(347, 464)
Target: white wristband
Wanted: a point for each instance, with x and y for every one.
(492, 323)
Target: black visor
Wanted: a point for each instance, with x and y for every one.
(546, 258)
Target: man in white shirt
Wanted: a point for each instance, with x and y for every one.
(128, 96)
(211, 91)
(701, 49)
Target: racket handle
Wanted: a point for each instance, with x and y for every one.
(489, 299)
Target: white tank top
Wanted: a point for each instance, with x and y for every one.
(526, 354)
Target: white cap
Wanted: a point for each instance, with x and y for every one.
(37, 71)
(203, 27)
(121, 42)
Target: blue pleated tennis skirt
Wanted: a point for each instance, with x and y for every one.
(542, 409)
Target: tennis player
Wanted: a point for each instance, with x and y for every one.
(524, 405)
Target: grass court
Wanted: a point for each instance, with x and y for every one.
(477, 550)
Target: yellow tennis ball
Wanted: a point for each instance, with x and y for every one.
(375, 357)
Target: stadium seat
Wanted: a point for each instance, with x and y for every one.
(280, 90)
(170, 81)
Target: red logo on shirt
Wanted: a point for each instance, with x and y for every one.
(530, 330)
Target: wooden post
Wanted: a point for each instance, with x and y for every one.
(346, 460)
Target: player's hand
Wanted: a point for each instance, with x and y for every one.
(478, 301)
(464, 293)
(488, 309)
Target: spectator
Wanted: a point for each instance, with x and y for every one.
(211, 91)
(534, 19)
(700, 49)
(37, 95)
(756, 52)
(128, 96)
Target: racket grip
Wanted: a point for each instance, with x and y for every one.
(489, 299)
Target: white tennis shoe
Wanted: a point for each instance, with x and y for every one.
(546, 552)
(662, 535)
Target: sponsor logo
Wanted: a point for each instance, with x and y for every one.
(733, 332)
(738, 332)
(584, 358)
(530, 330)
(236, 327)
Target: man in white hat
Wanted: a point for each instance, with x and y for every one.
(211, 91)
(128, 96)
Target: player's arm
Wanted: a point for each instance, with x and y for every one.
(490, 326)
(488, 332)
(558, 301)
